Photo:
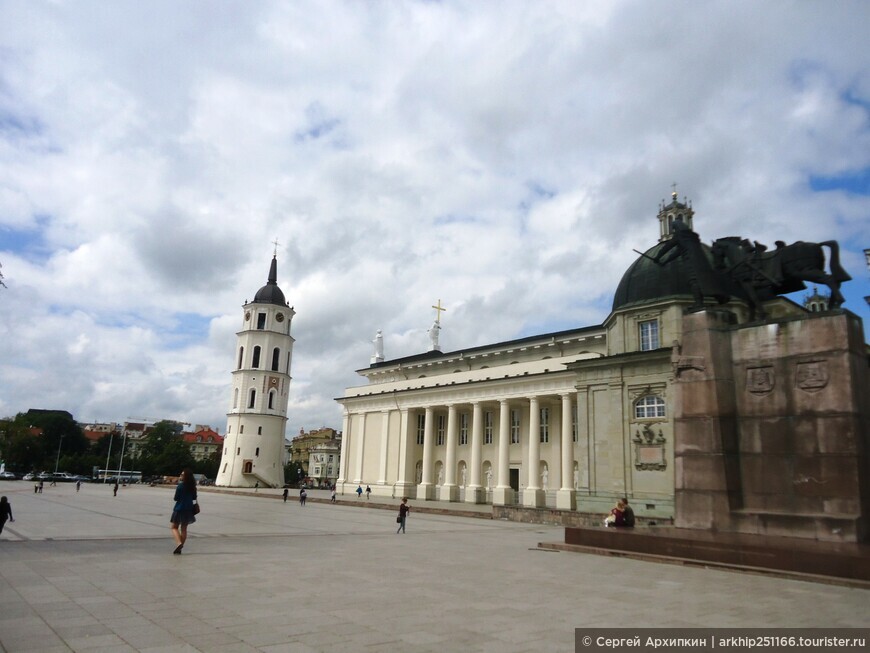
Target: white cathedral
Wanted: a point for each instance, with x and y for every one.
(570, 420)
(253, 452)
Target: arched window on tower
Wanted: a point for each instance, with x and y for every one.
(253, 398)
(271, 400)
(276, 357)
(288, 362)
(235, 398)
(255, 363)
(241, 358)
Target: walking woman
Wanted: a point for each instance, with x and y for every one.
(404, 509)
(183, 513)
(5, 512)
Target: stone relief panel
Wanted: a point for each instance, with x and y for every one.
(760, 380)
(649, 449)
(811, 376)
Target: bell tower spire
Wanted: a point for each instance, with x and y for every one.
(670, 213)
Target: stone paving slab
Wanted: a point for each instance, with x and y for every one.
(91, 572)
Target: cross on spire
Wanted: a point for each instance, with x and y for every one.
(275, 243)
(438, 310)
(674, 192)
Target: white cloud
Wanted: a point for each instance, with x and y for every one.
(505, 158)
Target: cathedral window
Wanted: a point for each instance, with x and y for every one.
(544, 426)
(649, 406)
(649, 335)
(439, 439)
(288, 362)
(271, 400)
(463, 428)
(276, 356)
(255, 363)
(252, 399)
(259, 430)
(487, 427)
(241, 357)
(421, 428)
(235, 399)
(515, 427)
(261, 321)
(257, 452)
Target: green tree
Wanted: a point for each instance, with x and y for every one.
(174, 457)
(25, 452)
(294, 472)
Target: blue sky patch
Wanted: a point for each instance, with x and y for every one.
(27, 243)
(187, 329)
(855, 181)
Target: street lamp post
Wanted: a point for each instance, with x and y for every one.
(57, 460)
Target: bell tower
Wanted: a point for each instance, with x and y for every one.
(670, 213)
(254, 444)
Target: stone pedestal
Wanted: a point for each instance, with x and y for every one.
(401, 489)
(426, 492)
(566, 500)
(503, 496)
(534, 498)
(772, 426)
(475, 494)
(448, 493)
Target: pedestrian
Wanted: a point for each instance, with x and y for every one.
(41, 485)
(257, 486)
(286, 491)
(627, 513)
(184, 512)
(36, 487)
(404, 509)
(368, 492)
(78, 485)
(616, 518)
(332, 496)
(358, 491)
(115, 491)
(302, 496)
(5, 512)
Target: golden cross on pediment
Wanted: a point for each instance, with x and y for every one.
(438, 310)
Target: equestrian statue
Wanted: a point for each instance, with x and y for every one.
(760, 274)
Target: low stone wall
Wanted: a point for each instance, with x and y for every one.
(560, 517)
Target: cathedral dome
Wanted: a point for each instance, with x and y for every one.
(647, 281)
(271, 293)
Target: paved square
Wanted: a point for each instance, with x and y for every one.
(91, 572)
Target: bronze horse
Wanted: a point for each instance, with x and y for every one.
(764, 275)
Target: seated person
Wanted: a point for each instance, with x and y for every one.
(616, 516)
(627, 514)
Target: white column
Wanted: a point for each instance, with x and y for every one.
(343, 460)
(405, 482)
(533, 495)
(503, 494)
(474, 493)
(426, 490)
(385, 438)
(565, 497)
(449, 490)
(360, 452)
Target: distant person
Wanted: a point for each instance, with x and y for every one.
(257, 486)
(332, 496)
(5, 512)
(286, 492)
(368, 492)
(183, 513)
(303, 494)
(41, 485)
(115, 489)
(78, 485)
(404, 509)
(359, 491)
(616, 518)
(627, 514)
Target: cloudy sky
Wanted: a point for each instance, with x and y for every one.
(504, 157)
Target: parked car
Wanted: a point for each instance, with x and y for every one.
(29, 476)
(8, 476)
